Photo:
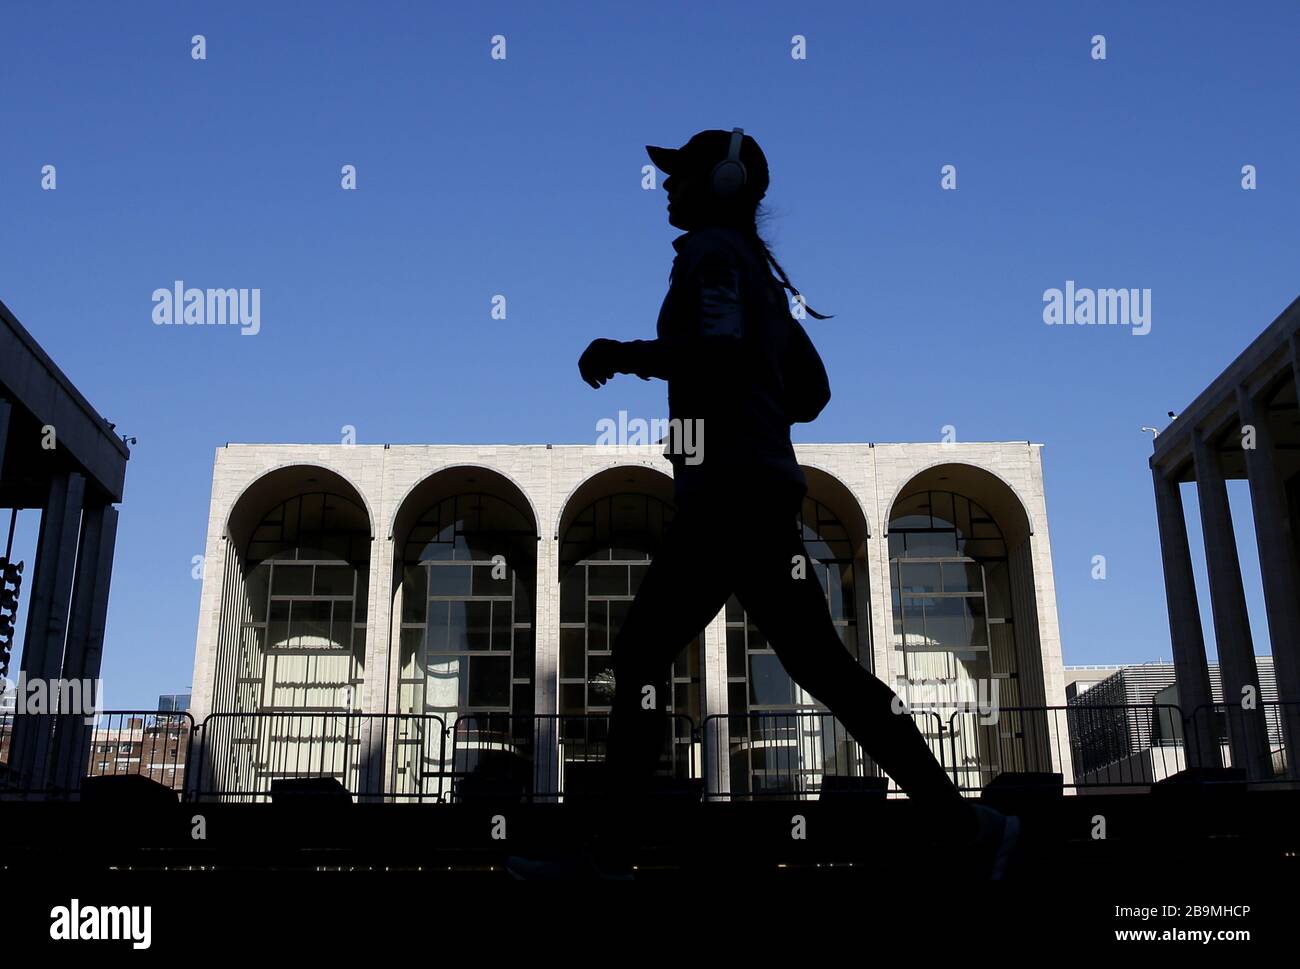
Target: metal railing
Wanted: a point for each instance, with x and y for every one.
(241, 756)
(1136, 745)
(795, 754)
(151, 743)
(154, 744)
(552, 756)
(1251, 738)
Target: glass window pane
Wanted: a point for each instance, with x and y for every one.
(998, 594)
(257, 587)
(914, 629)
(920, 576)
(449, 580)
(735, 651)
(573, 653)
(948, 632)
(478, 625)
(522, 706)
(941, 509)
(912, 511)
(439, 640)
(524, 652)
(486, 585)
(737, 705)
(686, 700)
(277, 632)
(927, 544)
(411, 646)
(608, 580)
(944, 607)
(895, 543)
(962, 577)
(617, 616)
(573, 698)
(501, 613)
(962, 509)
(334, 580)
(341, 625)
(598, 624)
(600, 686)
(438, 551)
(976, 622)
(291, 580)
(985, 549)
(573, 595)
(414, 594)
(848, 606)
(489, 681)
(309, 624)
(523, 600)
(768, 683)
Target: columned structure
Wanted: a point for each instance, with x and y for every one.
(1245, 425)
(58, 455)
(496, 577)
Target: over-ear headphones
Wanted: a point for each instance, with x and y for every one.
(729, 175)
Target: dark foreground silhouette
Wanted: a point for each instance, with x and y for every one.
(740, 371)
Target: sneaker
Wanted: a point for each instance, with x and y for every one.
(995, 839)
(567, 866)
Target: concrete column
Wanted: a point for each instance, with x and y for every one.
(546, 660)
(85, 649)
(47, 624)
(1278, 570)
(875, 607)
(1247, 729)
(1190, 667)
(378, 733)
(714, 761)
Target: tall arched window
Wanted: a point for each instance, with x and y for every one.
(778, 742)
(306, 620)
(603, 558)
(953, 626)
(467, 616)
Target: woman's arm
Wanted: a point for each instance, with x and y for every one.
(714, 332)
(707, 341)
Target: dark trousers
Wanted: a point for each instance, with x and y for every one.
(748, 542)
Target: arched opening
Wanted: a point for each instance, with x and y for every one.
(965, 627)
(308, 564)
(291, 644)
(465, 544)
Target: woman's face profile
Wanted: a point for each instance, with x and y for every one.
(683, 201)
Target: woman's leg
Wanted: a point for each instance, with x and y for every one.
(793, 615)
(685, 586)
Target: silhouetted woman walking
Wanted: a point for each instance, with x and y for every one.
(740, 371)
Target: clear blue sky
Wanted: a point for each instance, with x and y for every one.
(522, 177)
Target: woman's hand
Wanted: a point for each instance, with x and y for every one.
(599, 362)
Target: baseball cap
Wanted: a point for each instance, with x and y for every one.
(706, 149)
